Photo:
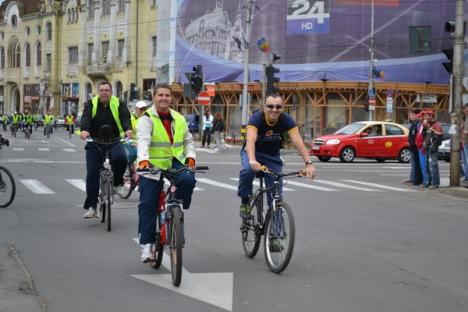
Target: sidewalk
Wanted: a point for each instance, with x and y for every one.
(17, 292)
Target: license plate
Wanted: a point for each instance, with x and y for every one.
(316, 147)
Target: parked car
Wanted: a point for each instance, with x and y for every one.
(377, 140)
(60, 121)
(444, 150)
(193, 122)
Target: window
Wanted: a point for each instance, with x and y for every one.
(154, 45)
(90, 53)
(48, 62)
(28, 54)
(73, 55)
(38, 54)
(14, 20)
(120, 47)
(38, 29)
(105, 49)
(28, 31)
(121, 6)
(2, 58)
(105, 7)
(14, 54)
(374, 131)
(393, 130)
(90, 9)
(48, 31)
(118, 89)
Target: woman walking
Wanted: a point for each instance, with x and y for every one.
(218, 128)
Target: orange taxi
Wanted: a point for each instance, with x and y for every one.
(377, 140)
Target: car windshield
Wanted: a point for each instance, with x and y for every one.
(350, 129)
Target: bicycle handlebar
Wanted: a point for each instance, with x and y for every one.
(277, 175)
(104, 142)
(155, 171)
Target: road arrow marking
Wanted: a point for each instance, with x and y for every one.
(213, 288)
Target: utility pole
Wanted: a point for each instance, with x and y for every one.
(458, 50)
(370, 90)
(245, 90)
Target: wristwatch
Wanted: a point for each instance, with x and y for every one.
(308, 162)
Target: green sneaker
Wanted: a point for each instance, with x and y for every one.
(276, 245)
(245, 211)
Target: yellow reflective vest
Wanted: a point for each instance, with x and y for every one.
(161, 151)
(69, 120)
(114, 107)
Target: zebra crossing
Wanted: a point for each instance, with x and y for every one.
(205, 184)
(44, 149)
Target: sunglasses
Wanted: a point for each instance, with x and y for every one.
(277, 107)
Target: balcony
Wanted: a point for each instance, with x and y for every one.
(98, 71)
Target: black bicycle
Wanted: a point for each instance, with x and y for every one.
(106, 182)
(170, 221)
(130, 180)
(275, 222)
(7, 182)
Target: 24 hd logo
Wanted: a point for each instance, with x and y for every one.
(308, 16)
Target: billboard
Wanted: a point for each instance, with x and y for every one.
(316, 39)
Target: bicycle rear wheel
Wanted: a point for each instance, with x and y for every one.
(175, 246)
(7, 187)
(251, 231)
(159, 248)
(280, 233)
(129, 179)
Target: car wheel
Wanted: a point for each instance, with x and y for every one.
(324, 158)
(404, 155)
(347, 154)
(380, 160)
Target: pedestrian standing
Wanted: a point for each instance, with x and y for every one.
(421, 150)
(207, 127)
(432, 140)
(464, 151)
(415, 172)
(218, 128)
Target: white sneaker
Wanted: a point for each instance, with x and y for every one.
(90, 214)
(147, 254)
(121, 190)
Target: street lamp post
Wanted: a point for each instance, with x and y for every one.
(245, 89)
(370, 91)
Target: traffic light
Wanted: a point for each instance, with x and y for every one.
(270, 72)
(196, 79)
(448, 65)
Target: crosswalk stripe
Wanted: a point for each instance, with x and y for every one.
(36, 187)
(70, 150)
(391, 188)
(43, 149)
(313, 187)
(256, 183)
(337, 184)
(18, 148)
(206, 150)
(166, 183)
(79, 183)
(218, 184)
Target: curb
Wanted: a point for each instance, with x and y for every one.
(454, 191)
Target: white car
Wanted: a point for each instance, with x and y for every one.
(444, 150)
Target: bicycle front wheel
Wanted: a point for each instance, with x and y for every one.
(280, 234)
(251, 231)
(7, 187)
(109, 200)
(129, 180)
(175, 246)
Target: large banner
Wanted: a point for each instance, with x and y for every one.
(316, 39)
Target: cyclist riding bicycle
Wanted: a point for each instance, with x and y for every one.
(29, 121)
(70, 120)
(164, 141)
(262, 147)
(104, 109)
(48, 122)
(15, 118)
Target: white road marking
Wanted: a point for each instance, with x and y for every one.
(206, 150)
(346, 186)
(43, 149)
(313, 187)
(391, 188)
(218, 184)
(213, 288)
(79, 183)
(67, 142)
(36, 187)
(70, 150)
(256, 183)
(18, 148)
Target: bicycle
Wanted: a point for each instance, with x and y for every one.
(7, 182)
(71, 129)
(129, 179)
(47, 131)
(170, 221)
(275, 223)
(106, 183)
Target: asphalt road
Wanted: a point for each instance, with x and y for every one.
(364, 241)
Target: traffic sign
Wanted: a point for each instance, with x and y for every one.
(203, 98)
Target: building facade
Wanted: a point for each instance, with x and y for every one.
(56, 52)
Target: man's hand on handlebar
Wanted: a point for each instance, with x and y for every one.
(308, 171)
(255, 165)
(144, 165)
(84, 135)
(129, 134)
(191, 163)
